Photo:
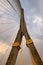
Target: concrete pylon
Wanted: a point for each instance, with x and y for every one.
(15, 49)
(29, 42)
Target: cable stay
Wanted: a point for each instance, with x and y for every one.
(7, 29)
(6, 6)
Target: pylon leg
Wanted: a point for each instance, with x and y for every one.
(15, 49)
(13, 56)
(34, 53)
(29, 42)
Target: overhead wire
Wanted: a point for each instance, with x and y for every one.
(8, 8)
(6, 30)
(13, 30)
(8, 23)
(6, 12)
(3, 32)
(5, 23)
(5, 5)
(17, 3)
(3, 17)
(10, 19)
(2, 3)
(6, 51)
(12, 6)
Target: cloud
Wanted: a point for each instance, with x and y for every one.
(36, 26)
(4, 52)
(37, 20)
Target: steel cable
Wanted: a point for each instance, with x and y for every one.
(7, 29)
(2, 3)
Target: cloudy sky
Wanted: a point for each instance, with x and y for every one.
(9, 25)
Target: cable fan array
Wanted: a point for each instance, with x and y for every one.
(8, 18)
